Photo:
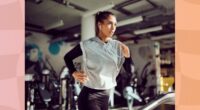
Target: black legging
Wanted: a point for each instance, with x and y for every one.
(92, 99)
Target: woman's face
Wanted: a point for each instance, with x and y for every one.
(108, 26)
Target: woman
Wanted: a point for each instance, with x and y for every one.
(102, 60)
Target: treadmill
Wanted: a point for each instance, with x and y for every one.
(162, 102)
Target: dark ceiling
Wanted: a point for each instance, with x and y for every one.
(40, 14)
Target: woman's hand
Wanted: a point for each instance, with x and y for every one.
(80, 76)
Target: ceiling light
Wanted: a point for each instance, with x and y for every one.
(130, 21)
(76, 35)
(166, 36)
(56, 24)
(147, 30)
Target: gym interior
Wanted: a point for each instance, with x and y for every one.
(54, 27)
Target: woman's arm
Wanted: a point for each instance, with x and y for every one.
(70, 56)
(125, 50)
(129, 66)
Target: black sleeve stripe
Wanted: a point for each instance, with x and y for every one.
(70, 56)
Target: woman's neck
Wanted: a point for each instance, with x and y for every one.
(103, 38)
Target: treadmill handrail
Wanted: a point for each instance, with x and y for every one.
(155, 103)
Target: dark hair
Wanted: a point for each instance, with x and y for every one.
(100, 16)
